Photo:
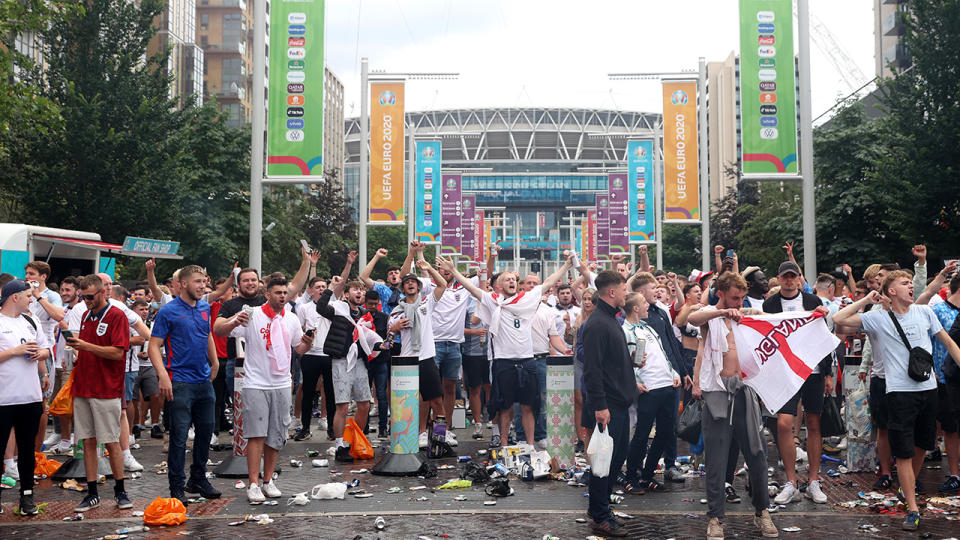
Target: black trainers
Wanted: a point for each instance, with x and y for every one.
(732, 496)
(180, 496)
(495, 441)
(302, 435)
(136, 431)
(884, 482)
(654, 486)
(608, 528)
(156, 432)
(27, 508)
(919, 489)
(511, 439)
(343, 455)
(89, 503)
(579, 449)
(123, 502)
(204, 488)
(951, 485)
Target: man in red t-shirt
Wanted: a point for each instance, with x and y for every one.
(98, 387)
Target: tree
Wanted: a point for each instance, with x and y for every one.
(921, 165)
(329, 225)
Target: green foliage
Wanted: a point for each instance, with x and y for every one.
(681, 248)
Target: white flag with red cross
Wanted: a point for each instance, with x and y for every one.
(777, 352)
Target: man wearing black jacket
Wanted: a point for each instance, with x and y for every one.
(609, 390)
(378, 369)
(791, 298)
(658, 319)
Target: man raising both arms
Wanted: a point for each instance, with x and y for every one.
(509, 316)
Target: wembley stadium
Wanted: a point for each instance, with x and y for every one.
(533, 169)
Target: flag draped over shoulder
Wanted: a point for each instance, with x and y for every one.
(777, 352)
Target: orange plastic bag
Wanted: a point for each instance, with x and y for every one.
(360, 447)
(62, 404)
(44, 465)
(165, 512)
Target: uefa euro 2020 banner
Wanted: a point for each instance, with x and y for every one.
(295, 121)
(768, 111)
(427, 210)
(681, 180)
(386, 153)
(640, 191)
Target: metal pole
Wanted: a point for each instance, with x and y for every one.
(516, 243)
(259, 121)
(410, 185)
(364, 167)
(658, 202)
(704, 168)
(806, 142)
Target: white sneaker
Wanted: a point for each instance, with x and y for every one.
(11, 470)
(191, 434)
(789, 493)
(374, 410)
(452, 439)
(541, 444)
(423, 440)
(63, 448)
(842, 445)
(130, 464)
(214, 440)
(271, 490)
(51, 440)
(254, 495)
(815, 492)
(296, 424)
(322, 424)
(332, 451)
(801, 455)
(132, 440)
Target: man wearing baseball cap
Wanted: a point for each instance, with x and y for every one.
(820, 381)
(757, 287)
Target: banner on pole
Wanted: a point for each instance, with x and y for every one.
(468, 242)
(619, 212)
(603, 227)
(640, 189)
(295, 119)
(480, 236)
(681, 176)
(387, 145)
(591, 236)
(768, 99)
(427, 223)
(451, 211)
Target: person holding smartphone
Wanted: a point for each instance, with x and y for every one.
(24, 349)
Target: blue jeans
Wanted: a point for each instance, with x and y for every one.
(601, 488)
(378, 372)
(654, 406)
(229, 368)
(670, 450)
(193, 403)
(540, 415)
(448, 359)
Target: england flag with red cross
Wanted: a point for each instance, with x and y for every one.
(777, 352)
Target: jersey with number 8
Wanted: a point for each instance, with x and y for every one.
(512, 338)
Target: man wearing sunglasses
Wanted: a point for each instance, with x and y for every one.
(98, 387)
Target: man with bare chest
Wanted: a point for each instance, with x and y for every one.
(731, 410)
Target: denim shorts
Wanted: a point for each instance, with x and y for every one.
(129, 383)
(448, 360)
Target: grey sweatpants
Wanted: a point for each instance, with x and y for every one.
(717, 435)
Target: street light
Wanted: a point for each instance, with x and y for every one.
(365, 76)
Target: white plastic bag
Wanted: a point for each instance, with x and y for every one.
(859, 425)
(600, 452)
(335, 490)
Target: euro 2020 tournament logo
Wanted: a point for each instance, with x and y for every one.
(677, 98)
(617, 183)
(640, 153)
(466, 204)
(388, 98)
(429, 152)
(451, 183)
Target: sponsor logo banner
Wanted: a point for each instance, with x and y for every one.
(295, 106)
(426, 211)
(640, 191)
(387, 144)
(768, 117)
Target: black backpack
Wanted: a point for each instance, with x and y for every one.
(950, 369)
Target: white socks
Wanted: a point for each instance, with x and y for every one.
(496, 429)
(127, 453)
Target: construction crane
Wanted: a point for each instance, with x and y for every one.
(848, 70)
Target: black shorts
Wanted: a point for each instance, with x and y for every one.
(948, 406)
(430, 385)
(477, 370)
(811, 394)
(878, 403)
(912, 422)
(515, 381)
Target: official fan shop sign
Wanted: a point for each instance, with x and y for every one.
(386, 153)
(147, 247)
(295, 112)
(768, 113)
(778, 352)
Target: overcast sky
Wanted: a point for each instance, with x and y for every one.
(522, 53)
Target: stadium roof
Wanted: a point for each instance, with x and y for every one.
(523, 134)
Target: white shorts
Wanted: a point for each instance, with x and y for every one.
(350, 385)
(96, 419)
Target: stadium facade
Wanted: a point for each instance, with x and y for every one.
(536, 170)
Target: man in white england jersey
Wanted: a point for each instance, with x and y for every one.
(514, 368)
